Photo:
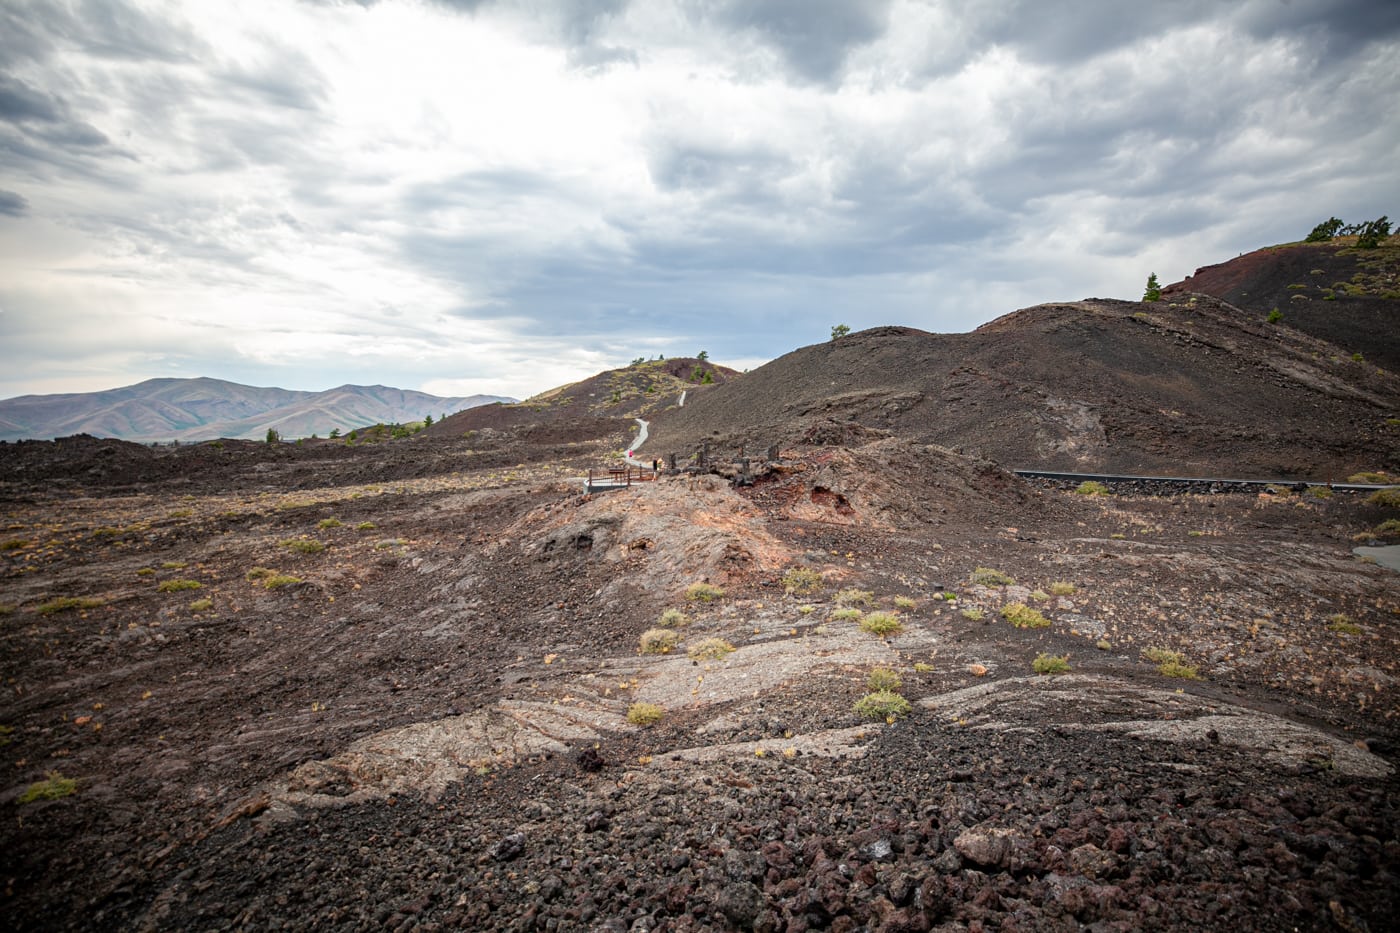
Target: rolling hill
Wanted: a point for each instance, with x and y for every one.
(201, 409)
(1187, 385)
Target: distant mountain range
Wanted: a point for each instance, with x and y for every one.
(202, 409)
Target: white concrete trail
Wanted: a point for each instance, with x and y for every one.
(641, 439)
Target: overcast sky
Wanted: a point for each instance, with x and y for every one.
(501, 196)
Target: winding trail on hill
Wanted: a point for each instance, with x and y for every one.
(641, 439)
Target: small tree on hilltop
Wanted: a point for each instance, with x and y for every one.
(427, 421)
(1325, 231)
(272, 436)
(702, 356)
(839, 331)
(1154, 291)
(1371, 234)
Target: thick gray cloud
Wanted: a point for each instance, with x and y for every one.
(502, 195)
(13, 203)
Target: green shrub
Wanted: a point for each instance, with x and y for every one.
(1040, 596)
(202, 605)
(846, 615)
(146, 572)
(1062, 588)
(1318, 492)
(703, 592)
(1153, 292)
(883, 679)
(659, 641)
(1161, 655)
(175, 586)
(1391, 526)
(854, 597)
(973, 615)
(882, 704)
(801, 581)
(986, 576)
(709, 649)
(328, 523)
(1369, 477)
(1023, 616)
(259, 573)
(54, 787)
(904, 602)
(303, 545)
(673, 618)
(1179, 670)
(1276, 315)
(1050, 664)
(65, 603)
(174, 565)
(1091, 487)
(365, 526)
(880, 623)
(644, 714)
(279, 580)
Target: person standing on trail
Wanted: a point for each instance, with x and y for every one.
(655, 466)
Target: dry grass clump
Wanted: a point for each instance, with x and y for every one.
(1386, 498)
(1063, 588)
(904, 602)
(846, 615)
(65, 603)
(1369, 477)
(659, 641)
(973, 614)
(644, 714)
(801, 581)
(329, 523)
(883, 678)
(303, 545)
(709, 649)
(1050, 663)
(279, 580)
(202, 605)
(365, 526)
(673, 618)
(986, 576)
(1342, 624)
(880, 623)
(1023, 616)
(175, 586)
(854, 597)
(703, 592)
(259, 573)
(1170, 663)
(882, 704)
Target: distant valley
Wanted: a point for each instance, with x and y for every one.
(202, 409)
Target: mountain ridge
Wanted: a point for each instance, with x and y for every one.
(203, 408)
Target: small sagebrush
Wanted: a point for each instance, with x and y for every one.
(904, 602)
(846, 615)
(1170, 663)
(1050, 664)
(659, 641)
(973, 615)
(202, 605)
(986, 576)
(880, 623)
(329, 523)
(279, 580)
(259, 573)
(883, 678)
(644, 714)
(365, 526)
(303, 545)
(1062, 588)
(175, 586)
(709, 649)
(882, 704)
(1091, 487)
(703, 592)
(801, 581)
(1023, 616)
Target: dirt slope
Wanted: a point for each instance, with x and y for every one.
(1176, 386)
